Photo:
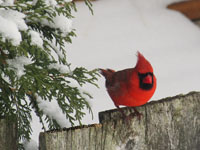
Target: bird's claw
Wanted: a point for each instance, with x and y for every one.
(137, 114)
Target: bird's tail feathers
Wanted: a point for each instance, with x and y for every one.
(106, 73)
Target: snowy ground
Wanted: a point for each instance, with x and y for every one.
(118, 29)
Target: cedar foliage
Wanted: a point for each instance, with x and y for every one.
(19, 93)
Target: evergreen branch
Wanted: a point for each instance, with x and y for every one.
(19, 92)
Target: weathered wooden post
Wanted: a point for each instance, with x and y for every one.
(8, 134)
(169, 124)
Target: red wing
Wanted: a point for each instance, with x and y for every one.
(119, 79)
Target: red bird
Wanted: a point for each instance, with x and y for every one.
(131, 87)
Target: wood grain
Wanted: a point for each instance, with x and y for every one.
(172, 123)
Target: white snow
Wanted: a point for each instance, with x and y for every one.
(68, 0)
(11, 22)
(51, 3)
(52, 110)
(18, 64)
(31, 145)
(16, 17)
(7, 2)
(61, 22)
(9, 30)
(36, 38)
(120, 28)
(62, 68)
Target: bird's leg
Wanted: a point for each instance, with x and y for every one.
(136, 113)
(123, 114)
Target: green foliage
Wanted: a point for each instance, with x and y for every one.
(41, 78)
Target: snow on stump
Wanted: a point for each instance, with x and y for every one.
(172, 123)
(8, 134)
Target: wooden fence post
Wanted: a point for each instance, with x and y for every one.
(169, 124)
(8, 134)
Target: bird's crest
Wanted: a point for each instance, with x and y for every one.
(143, 65)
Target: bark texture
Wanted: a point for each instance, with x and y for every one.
(172, 123)
(8, 134)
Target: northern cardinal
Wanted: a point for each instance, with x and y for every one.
(131, 87)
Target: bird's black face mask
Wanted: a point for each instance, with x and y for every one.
(146, 80)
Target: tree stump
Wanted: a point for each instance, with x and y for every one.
(172, 123)
(8, 134)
